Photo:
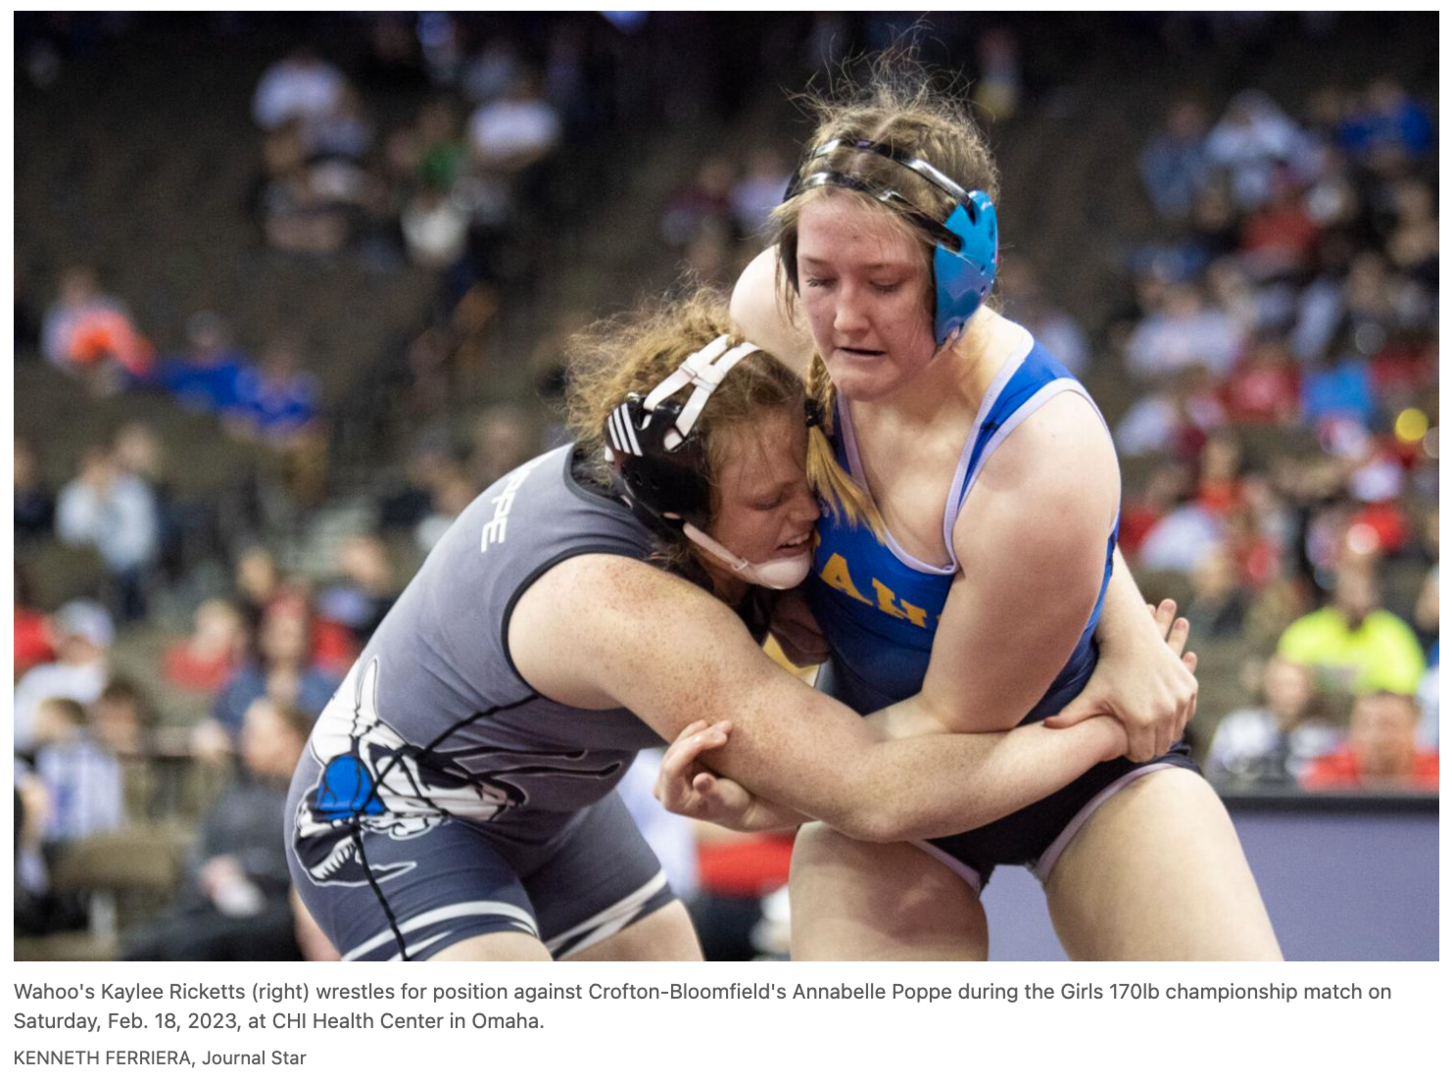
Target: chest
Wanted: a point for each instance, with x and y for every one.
(911, 476)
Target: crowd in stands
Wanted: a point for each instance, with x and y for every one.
(1280, 452)
(1284, 346)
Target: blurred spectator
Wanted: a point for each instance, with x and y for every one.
(1173, 163)
(82, 632)
(504, 439)
(81, 775)
(999, 85)
(121, 718)
(258, 581)
(342, 134)
(282, 668)
(308, 207)
(1185, 333)
(235, 904)
(450, 493)
(1219, 600)
(1276, 741)
(300, 86)
(406, 506)
(759, 191)
(32, 630)
(1054, 328)
(1354, 645)
(368, 592)
(516, 130)
(1381, 750)
(34, 506)
(1256, 143)
(1264, 388)
(1339, 389)
(206, 660)
(1166, 487)
(1387, 128)
(435, 228)
(35, 907)
(705, 200)
(278, 401)
(1182, 539)
(1177, 419)
(114, 512)
(91, 335)
(1280, 237)
(206, 378)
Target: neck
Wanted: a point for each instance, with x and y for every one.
(960, 375)
(728, 588)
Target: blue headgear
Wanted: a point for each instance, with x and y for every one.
(965, 260)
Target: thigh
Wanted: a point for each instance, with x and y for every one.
(601, 881)
(495, 947)
(386, 897)
(852, 900)
(664, 934)
(1157, 873)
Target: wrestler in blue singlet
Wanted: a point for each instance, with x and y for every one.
(878, 607)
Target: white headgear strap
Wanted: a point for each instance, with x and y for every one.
(704, 369)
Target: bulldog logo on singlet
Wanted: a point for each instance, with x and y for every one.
(371, 782)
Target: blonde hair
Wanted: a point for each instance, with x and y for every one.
(898, 107)
(633, 352)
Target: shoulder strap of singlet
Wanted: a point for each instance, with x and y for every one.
(1020, 389)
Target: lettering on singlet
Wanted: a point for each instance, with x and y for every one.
(838, 575)
(494, 529)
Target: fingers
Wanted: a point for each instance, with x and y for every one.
(1179, 634)
(1141, 745)
(678, 770)
(1192, 661)
(1164, 614)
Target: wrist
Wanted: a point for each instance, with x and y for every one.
(1110, 740)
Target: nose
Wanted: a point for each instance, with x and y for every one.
(850, 316)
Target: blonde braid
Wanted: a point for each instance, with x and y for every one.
(832, 483)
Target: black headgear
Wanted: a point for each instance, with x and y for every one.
(661, 458)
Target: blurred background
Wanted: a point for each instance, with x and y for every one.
(290, 291)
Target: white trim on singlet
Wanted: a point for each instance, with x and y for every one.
(607, 923)
(962, 869)
(950, 509)
(1044, 865)
(452, 911)
(1022, 413)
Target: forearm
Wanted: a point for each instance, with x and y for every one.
(937, 785)
(1125, 613)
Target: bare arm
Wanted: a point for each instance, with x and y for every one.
(1032, 543)
(1138, 680)
(758, 313)
(599, 631)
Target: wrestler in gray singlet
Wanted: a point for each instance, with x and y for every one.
(441, 797)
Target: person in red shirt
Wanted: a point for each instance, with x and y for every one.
(1381, 752)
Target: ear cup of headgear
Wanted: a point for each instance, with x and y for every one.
(661, 474)
(964, 277)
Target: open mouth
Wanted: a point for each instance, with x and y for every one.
(860, 354)
(795, 546)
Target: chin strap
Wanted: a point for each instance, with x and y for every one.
(772, 574)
